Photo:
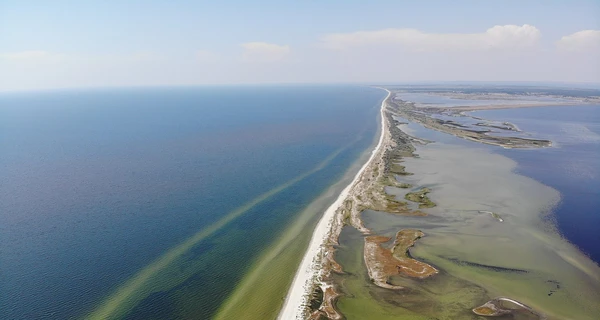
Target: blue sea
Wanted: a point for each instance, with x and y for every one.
(97, 184)
(572, 166)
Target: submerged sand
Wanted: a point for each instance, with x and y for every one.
(310, 269)
(470, 244)
(490, 236)
(480, 258)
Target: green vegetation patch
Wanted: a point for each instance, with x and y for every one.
(421, 198)
(399, 169)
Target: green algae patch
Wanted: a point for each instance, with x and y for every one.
(261, 293)
(173, 268)
(421, 198)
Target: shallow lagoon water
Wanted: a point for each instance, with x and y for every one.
(430, 99)
(572, 167)
(524, 257)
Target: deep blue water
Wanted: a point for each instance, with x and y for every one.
(96, 184)
(572, 167)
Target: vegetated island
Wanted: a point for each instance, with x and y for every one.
(504, 306)
(420, 196)
(367, 191)
(382, 263)
(437, 117)
(314, 292)
(426, 116)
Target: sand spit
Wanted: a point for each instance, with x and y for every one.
(472, 269)
(504, 306)
(318, 262)
(366, 191)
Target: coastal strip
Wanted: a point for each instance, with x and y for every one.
(296, 302)
(142, 284)
(508, 106)
(322, 290)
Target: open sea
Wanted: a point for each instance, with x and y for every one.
(98, 185)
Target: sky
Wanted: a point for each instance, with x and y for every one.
(70, 44)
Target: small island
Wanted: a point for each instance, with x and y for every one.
(420, 196)
(505, 306)
(382, 263)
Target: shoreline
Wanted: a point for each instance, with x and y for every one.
(296, 301)
(315, 290)
(427, 118)
(504, 106)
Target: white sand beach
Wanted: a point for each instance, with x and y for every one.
(308, 272)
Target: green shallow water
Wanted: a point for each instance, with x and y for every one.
(478, 257)
(162, 203)
(441, 297)
(224, 255)
(261, 293)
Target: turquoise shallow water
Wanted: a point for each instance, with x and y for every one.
(97, 184)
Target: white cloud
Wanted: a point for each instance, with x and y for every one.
(585, 40)
(264, 52)
(501, 53)
(508, 36)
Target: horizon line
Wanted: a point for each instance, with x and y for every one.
(582, 85)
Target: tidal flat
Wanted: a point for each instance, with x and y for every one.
(479, 257)
(479, 238)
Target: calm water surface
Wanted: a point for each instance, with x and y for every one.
(572, 167)
(98, 184)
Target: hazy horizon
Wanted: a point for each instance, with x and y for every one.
(532, 84)
(62, 45)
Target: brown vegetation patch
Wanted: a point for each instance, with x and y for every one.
(484, 311)
(411, 267)
(327, 309)
(496, 307)
(382, 263)
(369, 192)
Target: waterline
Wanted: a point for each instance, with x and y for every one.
(298, 293)
(135, 289)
